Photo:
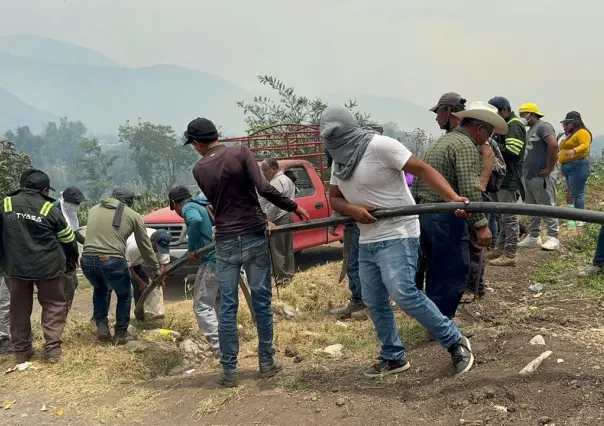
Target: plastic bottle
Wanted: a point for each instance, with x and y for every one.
(571, 224)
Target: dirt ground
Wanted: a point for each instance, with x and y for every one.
(565, 390)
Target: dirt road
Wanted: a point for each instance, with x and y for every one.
(565, 390)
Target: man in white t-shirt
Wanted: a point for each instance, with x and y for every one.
(161, 240)
(367, 173)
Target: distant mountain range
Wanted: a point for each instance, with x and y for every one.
(14, 112)
(44, 79)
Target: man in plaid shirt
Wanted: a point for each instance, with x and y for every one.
(445, 237)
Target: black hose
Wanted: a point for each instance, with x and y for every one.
(499, 208)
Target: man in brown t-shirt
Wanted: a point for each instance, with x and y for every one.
(229, 177)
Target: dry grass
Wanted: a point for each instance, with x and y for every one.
(215, 401)
(103, 381)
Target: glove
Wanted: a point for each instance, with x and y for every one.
(71, 265)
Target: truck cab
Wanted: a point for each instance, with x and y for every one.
(300, 154)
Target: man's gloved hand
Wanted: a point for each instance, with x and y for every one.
(71, 265)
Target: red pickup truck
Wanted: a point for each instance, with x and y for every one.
(300, 147)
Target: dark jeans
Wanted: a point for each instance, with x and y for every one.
(476, 275)
(444, 242)
(250, 251)
(493, 219)
(354, 280)
(599, 256)
(105, 274)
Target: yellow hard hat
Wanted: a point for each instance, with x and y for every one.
(530, 107)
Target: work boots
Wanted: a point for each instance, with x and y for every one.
(350, 310)
(103, 333)
(123, 336)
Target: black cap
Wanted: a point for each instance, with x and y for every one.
(571, 116)
(500, 102)
(451, 99)
(125, 195)
(25, 174)
(178, 194)
(37, 180)
(200, 129)
(73, 195)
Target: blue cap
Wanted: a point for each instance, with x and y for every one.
(500, 103)
(162, 239)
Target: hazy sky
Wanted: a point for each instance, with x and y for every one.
(544, 51)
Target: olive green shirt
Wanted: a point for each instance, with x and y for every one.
(455, 155)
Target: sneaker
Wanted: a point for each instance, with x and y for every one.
(461, 354)
(228, 380)
(590, 271)
(503, 261)
(550, 244)
(387, 367)
(360, 315)
(122, 337)
(530, 242)
(494, 254)
(580, 223)
(103, 333)
(270, 370)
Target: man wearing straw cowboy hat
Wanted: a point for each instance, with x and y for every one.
(367, 170)
(445, 237)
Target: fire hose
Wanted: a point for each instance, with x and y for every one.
(478, 207)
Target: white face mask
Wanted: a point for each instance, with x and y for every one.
(524, 121)
(70, 211)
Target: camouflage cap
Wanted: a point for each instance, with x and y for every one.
(451, 99)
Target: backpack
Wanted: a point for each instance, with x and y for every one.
(499, 168)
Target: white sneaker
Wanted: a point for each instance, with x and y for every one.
(580, 223)
(530, 242)
(551, 244)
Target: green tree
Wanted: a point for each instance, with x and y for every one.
(25, 141)
(287, 108)
(417, 141)
(61, 142)
(12, 164)
(158, 154)
(95, 168)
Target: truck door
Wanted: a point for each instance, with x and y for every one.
(310, 196)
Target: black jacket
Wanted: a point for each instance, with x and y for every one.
(36, 241)
(512, 147)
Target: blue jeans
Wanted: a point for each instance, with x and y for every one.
(354, 280)
(576, 174)
(106, 274)
(387, 269)
(445, 243)
(252, 252)
(599, 256)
